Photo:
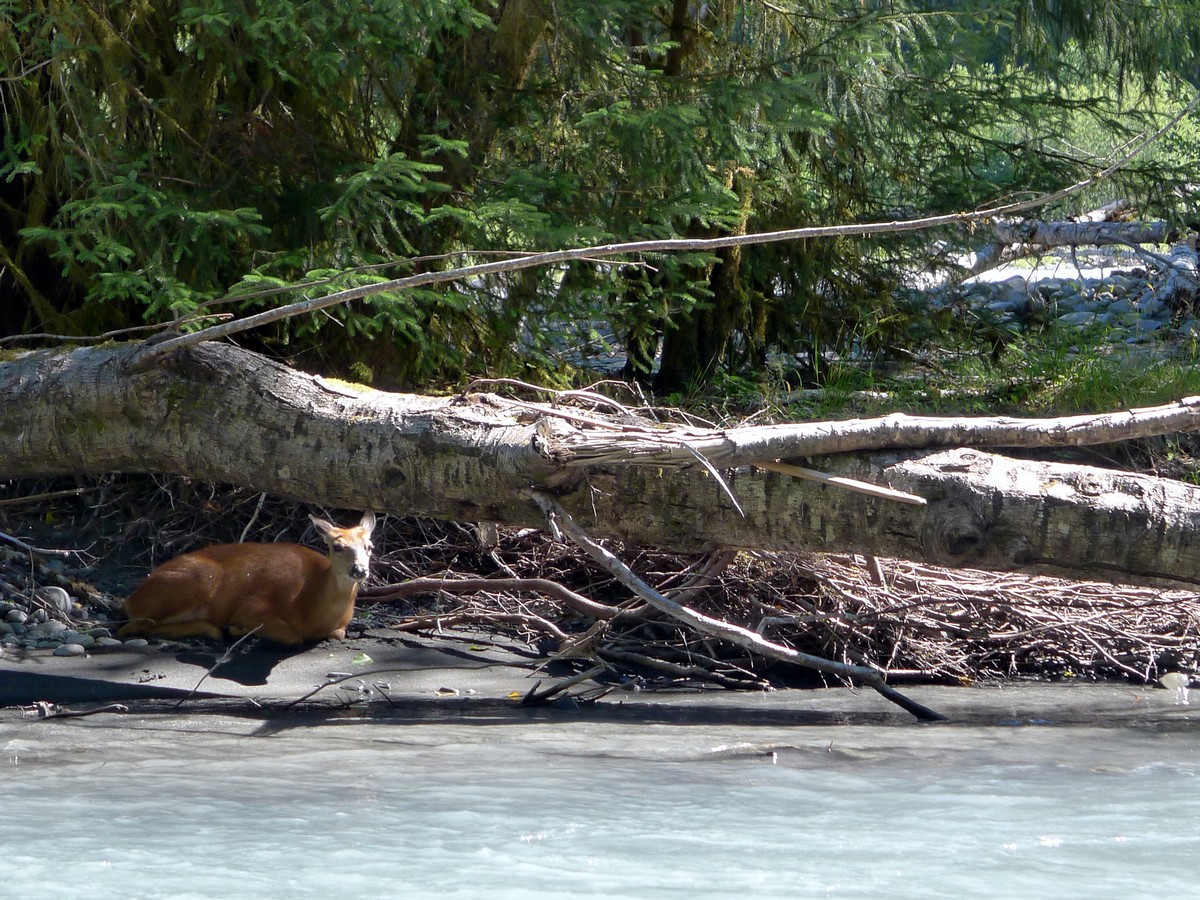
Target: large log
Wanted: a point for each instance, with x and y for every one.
(221, 414)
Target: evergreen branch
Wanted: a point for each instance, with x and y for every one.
(152, 352)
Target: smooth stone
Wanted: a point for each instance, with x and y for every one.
(1152, 307)
(57, 596)
(136, 642)
(109, 642)
(1083, 317)
(17, 615)
(1009, 304)
(1149, 326)
(74, 637)
(71, 650)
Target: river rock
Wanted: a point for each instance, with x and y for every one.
(70, 650)
(1152, 307)
(1189, 328)
(1149, 326)
(58, 597)
(1076, 319)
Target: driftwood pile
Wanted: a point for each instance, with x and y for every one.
(922, 624)
(542, 597)
(915, 622)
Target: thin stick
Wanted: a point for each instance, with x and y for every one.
(48, 495)
(853, 484)
(53, 711)
(262, 497)
(28, 548)
(577, 602)
(536, 696)
(225, 657)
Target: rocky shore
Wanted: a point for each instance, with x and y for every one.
(47, 605)
(1111, 295)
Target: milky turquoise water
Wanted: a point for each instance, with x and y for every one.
(538, 810)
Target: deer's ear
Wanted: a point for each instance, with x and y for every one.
(322, 526)
(368, 521)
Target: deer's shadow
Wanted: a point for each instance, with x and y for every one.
(250, 665)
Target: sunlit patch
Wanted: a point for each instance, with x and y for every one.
(1177, 682)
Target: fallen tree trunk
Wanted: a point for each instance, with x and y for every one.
(221, 414)
(1019, 238)
(1034, 232)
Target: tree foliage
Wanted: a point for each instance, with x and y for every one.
(157, 154)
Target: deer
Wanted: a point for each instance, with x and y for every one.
(285, 593)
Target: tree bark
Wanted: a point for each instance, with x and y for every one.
(1080, 234)
(222, 414)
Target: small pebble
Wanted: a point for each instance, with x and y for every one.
(103, 641)
(136, 642)
(70, 650)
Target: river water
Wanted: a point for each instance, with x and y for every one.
(211, 806)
